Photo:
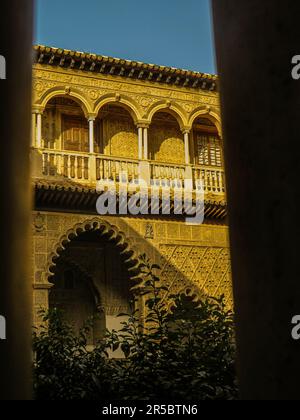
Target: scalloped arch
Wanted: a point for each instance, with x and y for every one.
(124, 101)
(172, 108)
(111, 233)
(74, 94)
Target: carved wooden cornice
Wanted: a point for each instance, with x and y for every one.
(124, 68)
(60, 195)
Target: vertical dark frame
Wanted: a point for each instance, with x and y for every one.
(16, 22)
(255, 43)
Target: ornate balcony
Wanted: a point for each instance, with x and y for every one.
(87, 169)
(84, 149)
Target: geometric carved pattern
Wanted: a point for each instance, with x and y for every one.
(121, 138)
(166, 143)
(203, 270)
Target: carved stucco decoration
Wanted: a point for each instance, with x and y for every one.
(149, 234)
(203, 270)
(142, 94)
(39, 223)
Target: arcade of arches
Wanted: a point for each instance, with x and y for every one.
(66, 128)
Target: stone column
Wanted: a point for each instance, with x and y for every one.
(92, 158)
(39, 130)
(33, 130)
(255, 42)
(144, 165)
(91, 134)
(188, 181)
(146, 143)
(140, 140)
(187, 147)
(16, 192)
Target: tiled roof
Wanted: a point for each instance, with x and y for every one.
(124, 68)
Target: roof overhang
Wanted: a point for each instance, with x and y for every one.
(100, 64)
(67, 196)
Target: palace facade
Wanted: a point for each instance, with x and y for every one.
(92, 117)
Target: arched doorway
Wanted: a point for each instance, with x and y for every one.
(73, 294)
(91, 279)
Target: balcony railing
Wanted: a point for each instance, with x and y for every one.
(160, 171)
(110, 168)
(212, 179)
(89, 168)
(70, 165)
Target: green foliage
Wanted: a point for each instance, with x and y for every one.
(64, 369)
(183, 353)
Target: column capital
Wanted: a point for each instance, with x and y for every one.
(186, 130)
(38, 109)
(43, 286)
(91, 117)
(143, 124)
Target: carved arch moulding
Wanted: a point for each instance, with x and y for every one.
(142, 104)
(111, 233)
(66, 91)
(122, 100)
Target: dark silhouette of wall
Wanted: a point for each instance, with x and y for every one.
(256, 41)
(15, 120)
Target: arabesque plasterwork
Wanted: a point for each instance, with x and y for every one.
(145, 96)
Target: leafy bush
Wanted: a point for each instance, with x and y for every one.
(64, 369)
(185, 352)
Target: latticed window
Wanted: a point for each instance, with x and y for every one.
(209, 150)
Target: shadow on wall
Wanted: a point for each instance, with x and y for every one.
(105, 264)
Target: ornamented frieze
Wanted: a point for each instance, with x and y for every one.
(144, 96)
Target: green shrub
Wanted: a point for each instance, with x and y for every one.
(185, 352)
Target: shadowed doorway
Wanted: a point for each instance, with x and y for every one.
(91, 279)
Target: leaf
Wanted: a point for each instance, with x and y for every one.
(115, 346)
